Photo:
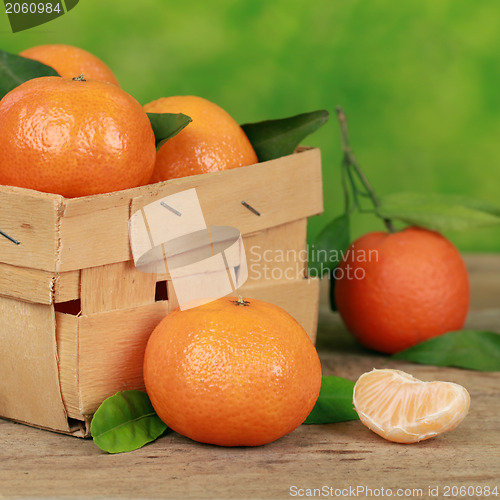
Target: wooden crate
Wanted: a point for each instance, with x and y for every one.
(75, 313)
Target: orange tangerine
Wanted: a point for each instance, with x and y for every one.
(71, 61)
(213, 141)
(232, 372)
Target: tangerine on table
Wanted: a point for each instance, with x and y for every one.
(396, 290)
(74, 138)
(212, 141)
(403, 409)
(71, 61)
(232, 372)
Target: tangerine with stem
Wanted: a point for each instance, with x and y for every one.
(70, 61)
(233, 372)
(74, 138)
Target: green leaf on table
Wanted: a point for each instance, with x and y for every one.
(439, 212)
(469, 349)
(15, 70)
(167, 125)
(125, 422)
(276, 138)
(329, 246)
(334, 403)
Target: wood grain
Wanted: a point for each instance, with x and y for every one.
(29, 380)
(36, 463)
(115, 286)
(110, 352)
(67, 361)
(67, 286)
(278, 253)
(32, 218)
(29, 285)
(484, 273)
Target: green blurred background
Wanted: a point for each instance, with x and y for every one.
(419, 80)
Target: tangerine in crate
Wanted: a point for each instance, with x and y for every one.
(74, 138)
(213, 141)
(70, 61)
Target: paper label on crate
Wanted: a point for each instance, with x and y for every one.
(170, 236)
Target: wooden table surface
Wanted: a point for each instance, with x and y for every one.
(335, 457)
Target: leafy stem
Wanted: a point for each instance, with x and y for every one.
(351, 165)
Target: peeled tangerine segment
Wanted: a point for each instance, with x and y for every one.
(403, 409)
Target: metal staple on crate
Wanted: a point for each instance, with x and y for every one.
(5, 235)
(172, 209)
(245, 204)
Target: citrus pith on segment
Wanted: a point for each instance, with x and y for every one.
(403, 409)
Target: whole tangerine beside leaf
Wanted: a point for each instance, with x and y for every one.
(74, 138)
(233, 372)
(395, 290)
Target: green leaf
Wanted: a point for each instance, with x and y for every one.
(334, 403)
(329, 246)
(126, 422)
(167, 125)
(328, 250)
(469, 349)
(439, 212)
(15, 70)
(276, 138)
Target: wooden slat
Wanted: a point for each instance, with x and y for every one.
(115, 286)
(483, 263)
(278, 253)
(30, 285)
(67, 353)
(75, 207)
(94, 230)
(94, 239)
(111, 352)
(29, 376)
(31, 218)
(282, 190)
(172, 298)
(67, 286)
